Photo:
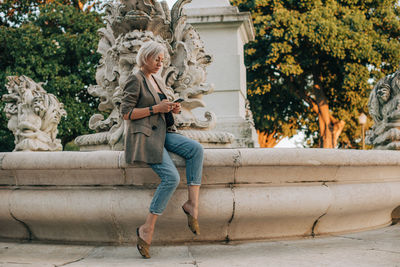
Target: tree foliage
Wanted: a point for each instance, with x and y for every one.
(314, 62)
(54, 42)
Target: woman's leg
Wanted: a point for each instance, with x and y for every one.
(192, 205)
(169, 182)
(147, 229)
(192, 151)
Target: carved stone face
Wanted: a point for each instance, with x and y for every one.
(38, 106)
(383, 93)
(29, 120)
(194, 44)
(51, 119)
(125, 66)
(11, 110)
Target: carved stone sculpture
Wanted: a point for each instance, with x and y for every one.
(129, 24)
(33, 115)
(384, 108)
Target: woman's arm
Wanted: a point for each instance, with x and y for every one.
(140, 113)
(130, 96)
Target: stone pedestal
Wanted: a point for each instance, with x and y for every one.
(225, 31)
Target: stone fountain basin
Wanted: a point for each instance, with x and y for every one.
(247, 194)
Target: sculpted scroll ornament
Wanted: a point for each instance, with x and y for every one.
(33, 115)
(384, 108)
(129, 24)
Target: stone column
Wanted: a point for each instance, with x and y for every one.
(225, 31)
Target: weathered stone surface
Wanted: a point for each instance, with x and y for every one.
(129, 24)
(33, 115)
(7, 178)
(279, 175)
(317, 157)
(246, 194)
(384, 108)
(61, 160)
(225, 31)
(211, 4)
(73, 177)
(368, 249)
(43, 255)
(353, 203)
(277, 212)
(10, 226)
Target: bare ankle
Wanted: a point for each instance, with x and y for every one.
(147, 229)
(187, 204)
(194, 205)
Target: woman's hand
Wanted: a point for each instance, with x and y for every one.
(177, 108)
(164, 106)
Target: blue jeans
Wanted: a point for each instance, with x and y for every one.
(190, 150)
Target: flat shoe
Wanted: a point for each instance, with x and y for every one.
(192, 223)
(142, 246)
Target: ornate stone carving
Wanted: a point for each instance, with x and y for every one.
(384, 108)
(33, 115)
(129, 24)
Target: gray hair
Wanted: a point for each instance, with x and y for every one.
(148, 50)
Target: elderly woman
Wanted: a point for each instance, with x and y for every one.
(151, 134)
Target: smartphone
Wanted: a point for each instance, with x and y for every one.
(179, 100)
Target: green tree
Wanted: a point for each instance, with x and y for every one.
(313, 64)
(54, 42)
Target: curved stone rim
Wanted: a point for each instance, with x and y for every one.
(247, 194)
(213, 157)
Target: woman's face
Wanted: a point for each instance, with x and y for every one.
(154, 64)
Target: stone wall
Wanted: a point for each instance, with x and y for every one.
(94, 197)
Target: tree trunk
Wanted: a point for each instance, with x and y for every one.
(330, 127)
(266, 139)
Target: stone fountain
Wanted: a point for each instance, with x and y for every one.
(247, 194)
(129, 24)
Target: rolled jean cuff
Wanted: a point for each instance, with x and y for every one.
(193, 184)
(155, 213)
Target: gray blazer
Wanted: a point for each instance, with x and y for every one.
(144, 138)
